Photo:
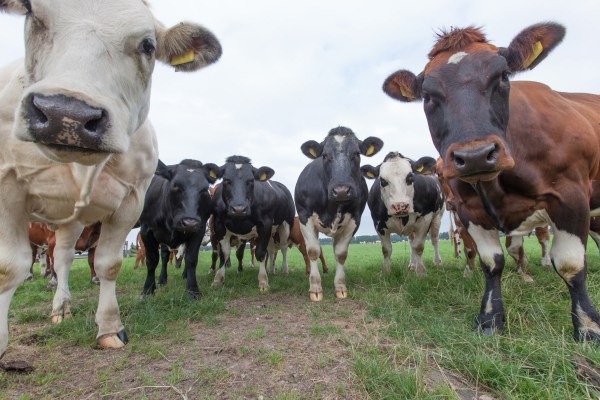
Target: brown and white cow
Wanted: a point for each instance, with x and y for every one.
(516, 155)
(77, 146)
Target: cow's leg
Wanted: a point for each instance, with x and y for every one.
(434, 234)
(239, 254)
(313, 249)
(514, 247)
(224, 250)
(152, 256)
(340, 248)
(491, 259)
(323, 263)
(66, 236)
(15, 251)
(284, 234)
(386, 249)
(568, 258)
(91, 255)
(271, 256)
(417, 245)
(165, 254)
(262, 245)
(191, 262)
(543, 237)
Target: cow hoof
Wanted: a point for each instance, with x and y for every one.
(488, 331)
(57, 319)
(340, 294)
(216, 284)
(193, 295)
(318, 296)
(95, 281)
(527, 278)
(113, 340)
(29, 277)
(263, 289)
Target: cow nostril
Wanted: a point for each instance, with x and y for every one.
(458, 161)
(493, 154)
(98, 124)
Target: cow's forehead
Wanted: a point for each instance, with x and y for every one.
(470, 53)
(397, 167)
(341, 143)
(233, 170)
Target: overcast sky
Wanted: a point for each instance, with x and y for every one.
(291, 71)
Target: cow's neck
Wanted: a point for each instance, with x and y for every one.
(488, 205)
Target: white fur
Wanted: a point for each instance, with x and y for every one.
(457, 57)
(397, 191)
(488, 244)
(568, 254)
(539, 218)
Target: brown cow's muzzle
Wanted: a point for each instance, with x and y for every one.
(480, 160)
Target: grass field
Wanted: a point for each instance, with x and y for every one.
(395, 337)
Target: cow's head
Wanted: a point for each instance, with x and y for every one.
(88, 68)
(188, 197)
(238, 184)
(396, 176)
(465, 90)
(340, 154)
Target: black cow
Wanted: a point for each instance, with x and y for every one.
(248, 205)
(176, 209)
(331, 195)
(405, 202)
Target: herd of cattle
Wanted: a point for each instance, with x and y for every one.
(79, 150)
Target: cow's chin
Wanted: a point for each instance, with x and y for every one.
(71, 154)
(473, 179)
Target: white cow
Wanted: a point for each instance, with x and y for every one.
(77, 147)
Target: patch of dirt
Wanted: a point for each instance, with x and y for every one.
(277, 345)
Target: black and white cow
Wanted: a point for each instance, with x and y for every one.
(248, 205)
(405, 202)
(176, 209)
(331, 195)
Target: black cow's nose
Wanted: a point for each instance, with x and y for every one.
(239, 210)
(341, 193)
(62, 120)
(476, 160)
(190, 224)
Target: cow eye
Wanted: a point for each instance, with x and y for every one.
(175, 188)
(505, 76)
(326, 157)
(409, 179)
(147, 47)
(383, 182)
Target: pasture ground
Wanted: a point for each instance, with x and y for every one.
(395, 337)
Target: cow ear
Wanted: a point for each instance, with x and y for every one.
(164, 170)
(15, 6)
(369, 171)
(371, 146)
(532, 45)
(213, 172)
(403, 85)
(187, 46)
(263, 174)
(312, 149)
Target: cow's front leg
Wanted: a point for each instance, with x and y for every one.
(568, 258)
(108, 262)
(225, 249)
(491, 315)
(340, 248)
(434, 234)
(191, 262)
(152, 256)
(417, 245)
(66, 236)
(15, 252)
(313, 250)
(262, 244)
(386, 249)
(165, 254)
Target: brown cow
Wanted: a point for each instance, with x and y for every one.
(516, 155)
(38, 239)
(140, 257)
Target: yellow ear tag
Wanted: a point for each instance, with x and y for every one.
(183, 59)
(312, 152)
(371, 175)
(404, 92)
(263, 177)
(420, 169)
(212, 174)
(370, 151)
(536, 49)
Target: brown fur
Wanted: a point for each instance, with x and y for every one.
(456, 39)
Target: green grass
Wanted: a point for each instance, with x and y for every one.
(418, 323)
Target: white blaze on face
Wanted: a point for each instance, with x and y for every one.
(457, 57)
(395, 172)
(238, 166)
